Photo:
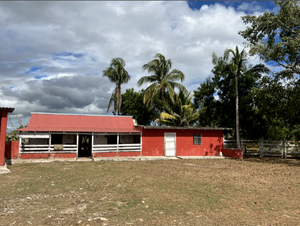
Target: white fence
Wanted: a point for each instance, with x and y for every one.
(267, 148)
(117, 148)
(46, 148)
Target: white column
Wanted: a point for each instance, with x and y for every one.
(20, 145)
(141, 143)
(92, 145)
(77, 144)
(118, 136)
(49, 146)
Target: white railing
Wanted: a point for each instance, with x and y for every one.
(45, 148)
(116, 148)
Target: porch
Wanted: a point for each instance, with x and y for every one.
(55, 145)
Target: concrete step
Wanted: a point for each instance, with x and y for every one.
(4, 170)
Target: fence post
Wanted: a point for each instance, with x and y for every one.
(285, 143)
(282, 149)
(261, 147)
(242, 146)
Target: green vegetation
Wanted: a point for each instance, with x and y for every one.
(162, 81)
(132, 104)
(116, 73)
(179, 112)
(275, 37)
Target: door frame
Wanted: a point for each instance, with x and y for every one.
(80, 137)
(165, 143)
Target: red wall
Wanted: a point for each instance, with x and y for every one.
(106, 154)
(3, 122)
(63, 155)
(153, 142)
(11, 149)
(233, 153)
(129, 154)
(35, 156)
(121, 154)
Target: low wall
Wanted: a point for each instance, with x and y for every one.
(11, 149)
(114, 154)
(233, 153)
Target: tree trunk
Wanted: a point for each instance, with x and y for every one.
(237, 123)
(119, 99)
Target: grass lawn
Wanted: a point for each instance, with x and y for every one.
(174, 192)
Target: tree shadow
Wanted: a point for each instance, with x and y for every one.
(274, 160)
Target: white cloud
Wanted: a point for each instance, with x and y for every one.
(33, 33)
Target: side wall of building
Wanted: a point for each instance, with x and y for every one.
(153, 142)
(11, 149)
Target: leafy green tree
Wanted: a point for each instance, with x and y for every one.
(236, 68)
(117, 74)
(162, 80)
(132, 104)
(275, 37)
(181, 112)
(232, 83)
(279, 102)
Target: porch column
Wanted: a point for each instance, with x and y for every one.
(92, 144)
(20, 145)
(118, 140)
(141, 143)
(3, 123)
(77, 144)
(49, 146)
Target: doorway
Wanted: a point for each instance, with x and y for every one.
(85, 146)
(170, 144)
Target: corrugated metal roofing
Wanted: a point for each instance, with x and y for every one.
(80, 123)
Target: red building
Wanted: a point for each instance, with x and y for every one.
(73, 136)
(181, 141)
(3, 123)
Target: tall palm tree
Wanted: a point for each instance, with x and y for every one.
(180, 112)
(236, 67)
(238, 60)
(117, 74)
(162, 80)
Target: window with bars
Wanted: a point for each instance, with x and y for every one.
(197, 138)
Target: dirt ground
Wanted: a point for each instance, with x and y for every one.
(173, 192)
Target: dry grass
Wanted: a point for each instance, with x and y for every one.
(175, 192)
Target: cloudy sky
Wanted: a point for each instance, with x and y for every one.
(53, 53)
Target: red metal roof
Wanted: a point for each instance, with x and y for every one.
(80, 123)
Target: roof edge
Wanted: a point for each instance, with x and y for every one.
(79, 114)
(186, 127)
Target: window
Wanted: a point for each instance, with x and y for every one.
(197, 138)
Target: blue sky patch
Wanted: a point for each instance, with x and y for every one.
(65, 55)
(40, 76)
(11, 87)
(33, 69)
(265, 5)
